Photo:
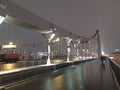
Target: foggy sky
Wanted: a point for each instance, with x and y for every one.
(17, 35)
(82, 17)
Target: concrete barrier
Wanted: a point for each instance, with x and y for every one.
(12, 76)
(31, 63)
(62, 65)
(116, 69)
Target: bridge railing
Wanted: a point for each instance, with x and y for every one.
(116, 69)
(62, 49)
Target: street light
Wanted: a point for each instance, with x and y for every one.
(52, 36)
(56, 40)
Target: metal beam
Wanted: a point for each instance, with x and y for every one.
(19, 16)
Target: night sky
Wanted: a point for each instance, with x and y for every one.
(81, 17)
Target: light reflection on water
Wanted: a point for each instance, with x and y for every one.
(8, 66)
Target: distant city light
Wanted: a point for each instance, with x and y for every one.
(9, 46)
(10, 43)
(111, 57)
(2, 19)
(103, 53)
(117, 50)
(56, 40)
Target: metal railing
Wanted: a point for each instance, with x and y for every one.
(116, 72)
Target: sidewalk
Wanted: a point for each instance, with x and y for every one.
(99, 77)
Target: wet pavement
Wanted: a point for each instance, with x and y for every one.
(90, 75)
(23, 63)
(8, 66)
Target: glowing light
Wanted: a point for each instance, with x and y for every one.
(111, 57)
(117, 50)
(2, 19)
(10, 43)
(56, 40)
(78, 42)
(48, 59)
(9, 46)
(9, 66)
(54, 28)
(83, 50)
(69, 41)
(52, 36)
(103, 53)
(68, 54)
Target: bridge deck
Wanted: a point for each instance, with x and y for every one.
(85, 76)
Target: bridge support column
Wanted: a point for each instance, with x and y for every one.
(68, 53)
(68, 50)
(48, 59)
(98, 44)
(77, 53)
(76, 45)
(83, 51)
(52, 35)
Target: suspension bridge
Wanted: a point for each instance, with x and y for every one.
(71, 61)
